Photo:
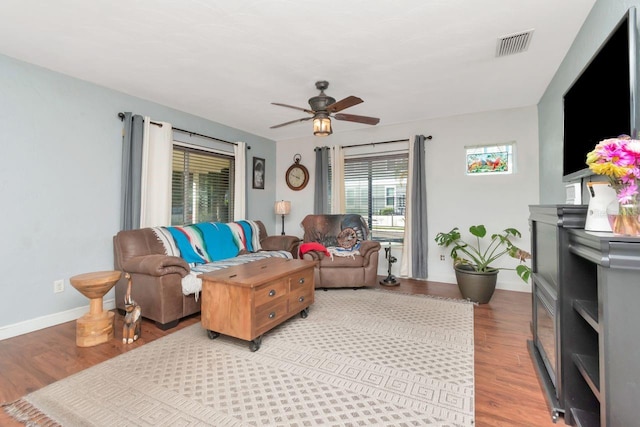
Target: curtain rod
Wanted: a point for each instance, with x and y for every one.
(384, 142)
(121, 116)
(204, 136)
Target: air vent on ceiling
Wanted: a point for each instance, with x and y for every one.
(513, 43)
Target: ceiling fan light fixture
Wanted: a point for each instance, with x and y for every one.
(323, 107)
(322, 125)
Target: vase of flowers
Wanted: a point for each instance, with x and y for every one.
(619, 160)
(624, 218)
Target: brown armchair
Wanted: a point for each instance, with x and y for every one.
(358, 267)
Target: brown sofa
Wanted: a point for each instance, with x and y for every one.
(157, 278)
(348, 234)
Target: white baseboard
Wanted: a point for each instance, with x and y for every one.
(518, 286)
(49, 320)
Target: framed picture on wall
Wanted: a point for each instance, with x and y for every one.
(490, 159)
(258, 173)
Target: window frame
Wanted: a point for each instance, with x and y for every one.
(230, 191)
(398, 156)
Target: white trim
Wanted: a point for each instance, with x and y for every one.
(506, 285)
(375, 154)
(203, 148)
(49, 320)
(372, 149)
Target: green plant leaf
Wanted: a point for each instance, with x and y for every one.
(513, 232)
(446, 239)
(480, 256)
(524, 271)
(478, 230)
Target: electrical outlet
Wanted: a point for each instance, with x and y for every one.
(441, 257)
(58, 286)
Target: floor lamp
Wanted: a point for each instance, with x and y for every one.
(282, 208)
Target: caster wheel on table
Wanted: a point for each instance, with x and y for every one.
(254, 345)
(212, 334)
(304, 313)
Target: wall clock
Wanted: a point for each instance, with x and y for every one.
(297, 175)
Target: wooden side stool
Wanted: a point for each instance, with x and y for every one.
(95, 327)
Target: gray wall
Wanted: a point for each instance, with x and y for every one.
(603, 18)
(60, 182)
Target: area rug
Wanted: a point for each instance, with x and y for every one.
(361, 358)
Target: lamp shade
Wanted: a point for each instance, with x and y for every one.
(322, 125)
(282, 207)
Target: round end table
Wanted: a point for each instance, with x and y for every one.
(95, 327)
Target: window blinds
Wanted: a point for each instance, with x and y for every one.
(202, 186)
(376, 186)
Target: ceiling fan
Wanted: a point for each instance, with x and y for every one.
(323, 107)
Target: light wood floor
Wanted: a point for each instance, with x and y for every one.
(507, 392)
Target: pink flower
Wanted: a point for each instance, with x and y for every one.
(617, 155)
(627, 193)
(632, 148)
(631, 176)
(608, 148)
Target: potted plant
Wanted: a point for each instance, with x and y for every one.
(472, 261)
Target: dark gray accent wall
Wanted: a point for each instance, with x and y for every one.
(602, 19)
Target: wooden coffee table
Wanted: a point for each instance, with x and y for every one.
(248, 300)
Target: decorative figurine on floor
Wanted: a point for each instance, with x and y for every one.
(391, 279)
(132, 318)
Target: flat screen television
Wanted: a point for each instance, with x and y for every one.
(601, 103)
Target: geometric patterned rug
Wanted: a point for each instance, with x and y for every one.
(360, 358)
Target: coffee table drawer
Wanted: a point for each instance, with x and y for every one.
(300, 299)
(269, 292)
(270, 315)
(302, 279)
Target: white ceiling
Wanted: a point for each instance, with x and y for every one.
(227, 60)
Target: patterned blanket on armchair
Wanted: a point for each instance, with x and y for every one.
(341, 231)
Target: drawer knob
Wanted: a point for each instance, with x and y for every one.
(272, 292)
(272, 315)
(301, 281)
(300, 299)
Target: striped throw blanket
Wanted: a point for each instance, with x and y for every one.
(210, 246)
(209, 241)
(191, 284)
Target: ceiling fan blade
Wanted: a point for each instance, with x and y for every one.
(291, 122)
(349, 101)
(358, 119)
(291, 106)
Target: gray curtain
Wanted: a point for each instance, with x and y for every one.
(418, 208)
(321, 195)
(131, 171)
